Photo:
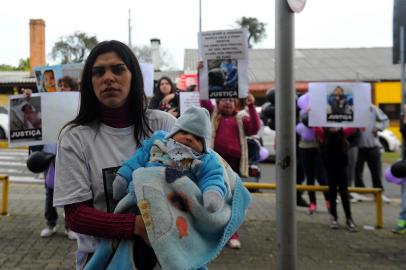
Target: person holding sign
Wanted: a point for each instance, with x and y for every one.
(111, 123)
(66, 83)
(230, 129)
(334, 147)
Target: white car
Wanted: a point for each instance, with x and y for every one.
(388, 140)
(3, 123)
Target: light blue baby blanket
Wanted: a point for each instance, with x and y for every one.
(183, 234)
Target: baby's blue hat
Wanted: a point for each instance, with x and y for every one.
(195, 120)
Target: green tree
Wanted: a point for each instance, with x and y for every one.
(256, 29)
(73, 48)
(24, 64)
(6, 67)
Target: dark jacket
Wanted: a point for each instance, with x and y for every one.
(333, 149)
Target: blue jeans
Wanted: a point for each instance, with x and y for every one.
(51, 214)
(402, 214)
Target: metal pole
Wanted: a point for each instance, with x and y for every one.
(129, 29)
(200, 15)
(402, 76)
(286, 235)
(4, 205)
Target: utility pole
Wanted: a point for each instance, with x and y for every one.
(200, 29)
(286, 228)
(129, 29)
(200, 15)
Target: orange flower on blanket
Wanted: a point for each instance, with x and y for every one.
(182, 226)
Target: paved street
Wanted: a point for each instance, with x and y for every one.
(13, 164)
(318, 247)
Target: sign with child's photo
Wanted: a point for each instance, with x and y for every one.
(25, 119)
(339, 104)
(225, 64)
(47, 77)
(39, 119)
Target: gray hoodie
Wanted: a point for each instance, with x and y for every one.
(380, 121)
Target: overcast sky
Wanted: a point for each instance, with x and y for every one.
(322, 23)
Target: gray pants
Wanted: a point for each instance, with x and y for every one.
(372, 156)
(352, 161)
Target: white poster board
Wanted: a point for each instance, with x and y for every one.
(39, 120)
(188, 99)
(147, 71)
(225, 64)
(339, 104)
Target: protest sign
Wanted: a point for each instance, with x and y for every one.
(225, 64)
(47, 77)
(188, 99)
(339, 104)
(38, 120)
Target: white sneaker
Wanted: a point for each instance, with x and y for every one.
(360, 197)
(48, 231)
(71, 234)
(234, 244)
(353, 197)
(385, 199)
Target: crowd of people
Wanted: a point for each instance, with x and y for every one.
(115, 123)
(335, 157)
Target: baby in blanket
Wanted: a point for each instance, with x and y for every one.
(183, 151)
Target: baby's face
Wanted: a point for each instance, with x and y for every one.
(190, 140)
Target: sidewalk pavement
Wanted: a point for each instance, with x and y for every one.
(318, 247)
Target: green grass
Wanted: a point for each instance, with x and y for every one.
(390, 157)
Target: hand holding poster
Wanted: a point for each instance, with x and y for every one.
(225, 64)
(339, 104)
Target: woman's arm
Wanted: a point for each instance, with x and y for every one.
(252, 123)
(206, 103)
(82, 218)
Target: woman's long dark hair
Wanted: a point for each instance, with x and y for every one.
(158, 96)
(88, 110)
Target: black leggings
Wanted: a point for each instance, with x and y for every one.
(338, 177)
(313, 169)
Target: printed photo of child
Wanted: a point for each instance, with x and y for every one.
(25, 119)
(49, 81)
(340, 105)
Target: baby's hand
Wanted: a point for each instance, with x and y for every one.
(212, 200)
(119, 187)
